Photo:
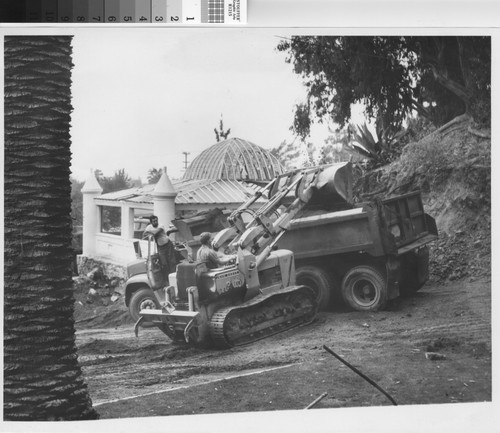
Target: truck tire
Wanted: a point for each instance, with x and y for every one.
(364, 288)
(142, 299)
(319, 281)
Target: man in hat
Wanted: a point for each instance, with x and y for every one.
(208, 256)
(166, 249)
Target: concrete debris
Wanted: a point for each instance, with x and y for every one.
(95, 274)
(434, 356)
(92, 295)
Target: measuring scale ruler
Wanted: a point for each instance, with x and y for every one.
(161, 12)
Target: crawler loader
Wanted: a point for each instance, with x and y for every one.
(257, 295)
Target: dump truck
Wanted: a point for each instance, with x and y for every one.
(361, 253)
(365, 255)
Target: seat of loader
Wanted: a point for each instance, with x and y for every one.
(188, 275)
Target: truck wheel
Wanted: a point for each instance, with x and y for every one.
(319, 281)
(142, 299)
(364, 288)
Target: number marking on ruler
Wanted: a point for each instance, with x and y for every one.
(163, 12)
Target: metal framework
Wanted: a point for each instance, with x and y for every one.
(234, 159)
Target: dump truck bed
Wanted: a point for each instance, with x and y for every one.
(392, 226)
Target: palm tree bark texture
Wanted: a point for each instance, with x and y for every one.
(42, 377)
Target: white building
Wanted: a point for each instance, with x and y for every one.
(223, 176)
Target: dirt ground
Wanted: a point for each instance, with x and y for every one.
(151, 376)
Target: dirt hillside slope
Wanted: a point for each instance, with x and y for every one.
(452, 168)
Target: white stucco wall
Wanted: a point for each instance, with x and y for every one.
(117, 249)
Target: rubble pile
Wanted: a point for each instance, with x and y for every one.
(99, 300)
(460, 255)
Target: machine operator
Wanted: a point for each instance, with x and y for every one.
(208, 256)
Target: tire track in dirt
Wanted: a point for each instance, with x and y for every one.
(121, 333)
(205, 381)
(152, 365)
(470, 328)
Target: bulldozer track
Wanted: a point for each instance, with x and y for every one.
(263, 316)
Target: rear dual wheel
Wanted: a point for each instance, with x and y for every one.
(364, 288)
(320, 281)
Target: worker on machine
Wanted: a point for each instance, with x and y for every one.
(166, 249)
(207, 255)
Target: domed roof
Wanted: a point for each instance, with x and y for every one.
(234, 159)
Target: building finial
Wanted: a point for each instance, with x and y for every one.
(91, 185)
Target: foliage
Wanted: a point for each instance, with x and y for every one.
(299, 154)
(440, 160)
(336, 149)
(364, 142)
(454, 167)
(373, 151)
(437, 77)
(111, 216)
(154, 175)
(76, 201)
(120, 180)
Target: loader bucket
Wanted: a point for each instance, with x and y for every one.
(334, 183)
(331, 184)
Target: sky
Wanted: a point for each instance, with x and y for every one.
(142, 97)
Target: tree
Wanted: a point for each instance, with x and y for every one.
(42, 377)
(76, 201)
(455, 70)
(221, 134)
(154, 175)
(337, 149)
(437, 77)
(120, 180)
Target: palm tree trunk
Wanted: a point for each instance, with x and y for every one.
(42, 377)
